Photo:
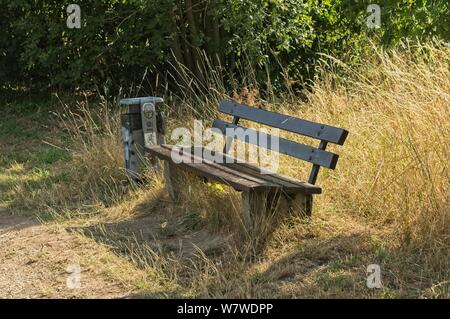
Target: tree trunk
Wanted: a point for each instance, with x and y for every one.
(175, 42)
(193, 31)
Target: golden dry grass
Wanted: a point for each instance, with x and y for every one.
(394, 167)
(387, 202)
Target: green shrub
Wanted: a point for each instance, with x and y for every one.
(120, 41)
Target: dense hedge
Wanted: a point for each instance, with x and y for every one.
(119, 40)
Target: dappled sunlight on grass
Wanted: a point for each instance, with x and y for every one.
(15, 168)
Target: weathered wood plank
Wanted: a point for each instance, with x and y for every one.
(310, 189)
(237, 171)
(285, 122)
(221, 167)
(227, 177)
(288, 184)
(251, 169)
(297, 150)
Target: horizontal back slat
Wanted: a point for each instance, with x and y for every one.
(297, 150)
(288, 123)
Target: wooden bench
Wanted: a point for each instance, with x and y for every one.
(259, 191)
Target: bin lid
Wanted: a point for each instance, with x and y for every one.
(141, 100)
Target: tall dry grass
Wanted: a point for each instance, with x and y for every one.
(96, 147)
(394, 167)
(93, 176)
(393, 173)
(393, 170)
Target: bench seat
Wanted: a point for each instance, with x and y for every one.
(240, 175)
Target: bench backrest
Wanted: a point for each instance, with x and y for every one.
(317, 156)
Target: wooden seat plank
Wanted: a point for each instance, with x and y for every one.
(238, 175)
(211, 171)
(288, 183)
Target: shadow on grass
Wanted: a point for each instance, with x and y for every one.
(160, 233)
(334, 267)
(157, 226)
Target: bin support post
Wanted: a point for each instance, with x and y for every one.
(141, 126)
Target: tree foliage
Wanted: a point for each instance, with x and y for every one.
(120, 40)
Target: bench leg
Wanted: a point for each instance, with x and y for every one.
(173, 178)
(259, 214)
(252, 206)
(300, 203)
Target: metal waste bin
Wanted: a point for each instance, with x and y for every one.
(142, 125)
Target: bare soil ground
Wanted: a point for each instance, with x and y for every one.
(34, 259)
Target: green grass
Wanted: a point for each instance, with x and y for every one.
(50, 156)
(10, 128)
(26, 160)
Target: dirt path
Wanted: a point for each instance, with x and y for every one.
(34, 261)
